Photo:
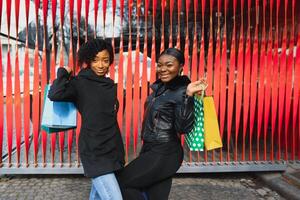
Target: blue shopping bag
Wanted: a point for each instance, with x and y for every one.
(57, 116)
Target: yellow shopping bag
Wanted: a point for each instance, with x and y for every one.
(212, 138)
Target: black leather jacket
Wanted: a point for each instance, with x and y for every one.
(168, 111)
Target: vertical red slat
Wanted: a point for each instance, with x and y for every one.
(79, 5)
(153, 45)
(128, 85)
(282, 78)
(104, 7)
(202, 63)
(62, 11)
(223, 78)
(186, 44)
(296, 96)
(268, 76)
(246, 82)
(45, 12)
(1, 93)
(87, 7)
(96, 3)
(209, 65)
(26, 90)
(136, 92)
(71, 12)
(9, 108)
(253, 82)
(71, 65)
(144, 91)
(261, 84)
(210, 53)
(120, 84)
(217, 63)
(120, 71)
(296, 103)
(1, 103)
(1, 4)
(171, 23)
(17, 94)
(9, 105)
(179, 5)
(61, 64)
(112, 68)
(231, 83)
(52, 66)
(114, 5)
(239, 81)
(77, 132)
(194, 55)
(78, 17)
(195, 45)
(122, 11)
(43, 85)
(17, 11)
(289, 85)
(53, 73)
(186, 50)
(36, 87)
(44, 79)
(275, 80)
(202, 49)
(162, 43)
(27, 6)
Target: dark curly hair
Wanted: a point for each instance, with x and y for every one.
(88, 51)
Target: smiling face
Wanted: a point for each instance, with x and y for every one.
(101, 63)
(168, 67)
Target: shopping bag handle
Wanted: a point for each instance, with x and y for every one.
(203, 92)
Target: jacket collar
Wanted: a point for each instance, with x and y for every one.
(88, 73)
(175, 83)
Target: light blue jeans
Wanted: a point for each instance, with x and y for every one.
(105, 187)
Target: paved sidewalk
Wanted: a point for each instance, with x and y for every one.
(287, 184)
(191, 187)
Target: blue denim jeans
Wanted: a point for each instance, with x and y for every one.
(105, 187)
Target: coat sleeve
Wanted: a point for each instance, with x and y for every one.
(184, 114)
(62, 89)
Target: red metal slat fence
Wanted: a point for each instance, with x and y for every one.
(249, 52)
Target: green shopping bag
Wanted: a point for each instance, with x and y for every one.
(195, 139)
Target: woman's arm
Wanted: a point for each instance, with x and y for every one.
(62, 89)
(184, 111)
(184, 114)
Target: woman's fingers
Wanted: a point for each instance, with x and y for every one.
(197, 86)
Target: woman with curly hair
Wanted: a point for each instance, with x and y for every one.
(94, 95)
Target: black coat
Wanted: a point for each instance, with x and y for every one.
(100, 143)
(168, 111)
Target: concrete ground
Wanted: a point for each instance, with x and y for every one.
(287, 183)
(223, 186)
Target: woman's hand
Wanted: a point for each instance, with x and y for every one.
(196, 87)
